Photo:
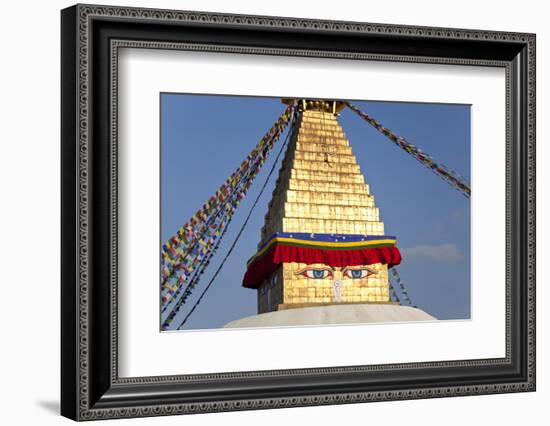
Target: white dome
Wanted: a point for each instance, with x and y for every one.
(357, 313)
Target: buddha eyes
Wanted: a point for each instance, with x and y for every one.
(323, 273)
(357, 273)
(316, 274)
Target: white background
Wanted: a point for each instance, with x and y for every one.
(143, 74)
(29, 229)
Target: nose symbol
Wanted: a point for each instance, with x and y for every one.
(337, 289)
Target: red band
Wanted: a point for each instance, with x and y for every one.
(286, 253)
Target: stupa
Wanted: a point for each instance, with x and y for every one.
(323, 255)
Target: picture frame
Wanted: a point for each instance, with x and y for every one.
(90, 384)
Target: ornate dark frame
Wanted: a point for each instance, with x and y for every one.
(91, 37)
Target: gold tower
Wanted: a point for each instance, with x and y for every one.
(320, 189)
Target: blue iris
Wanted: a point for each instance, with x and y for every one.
(318, 273)
(356, 273)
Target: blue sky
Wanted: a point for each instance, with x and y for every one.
(204, 138)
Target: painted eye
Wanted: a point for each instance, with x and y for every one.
(316, 274)
(357, 273)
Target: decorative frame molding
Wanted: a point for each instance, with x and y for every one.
(91, 37)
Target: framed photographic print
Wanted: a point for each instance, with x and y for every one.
(263, 212)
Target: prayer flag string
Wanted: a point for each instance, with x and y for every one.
(393, 294)
(243, 226)
(448, 175)
(401, 285)
(183, 293)
(186, 254)
(182, 253)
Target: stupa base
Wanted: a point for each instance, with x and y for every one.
(357, 313)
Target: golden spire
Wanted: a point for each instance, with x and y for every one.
(320, 190)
